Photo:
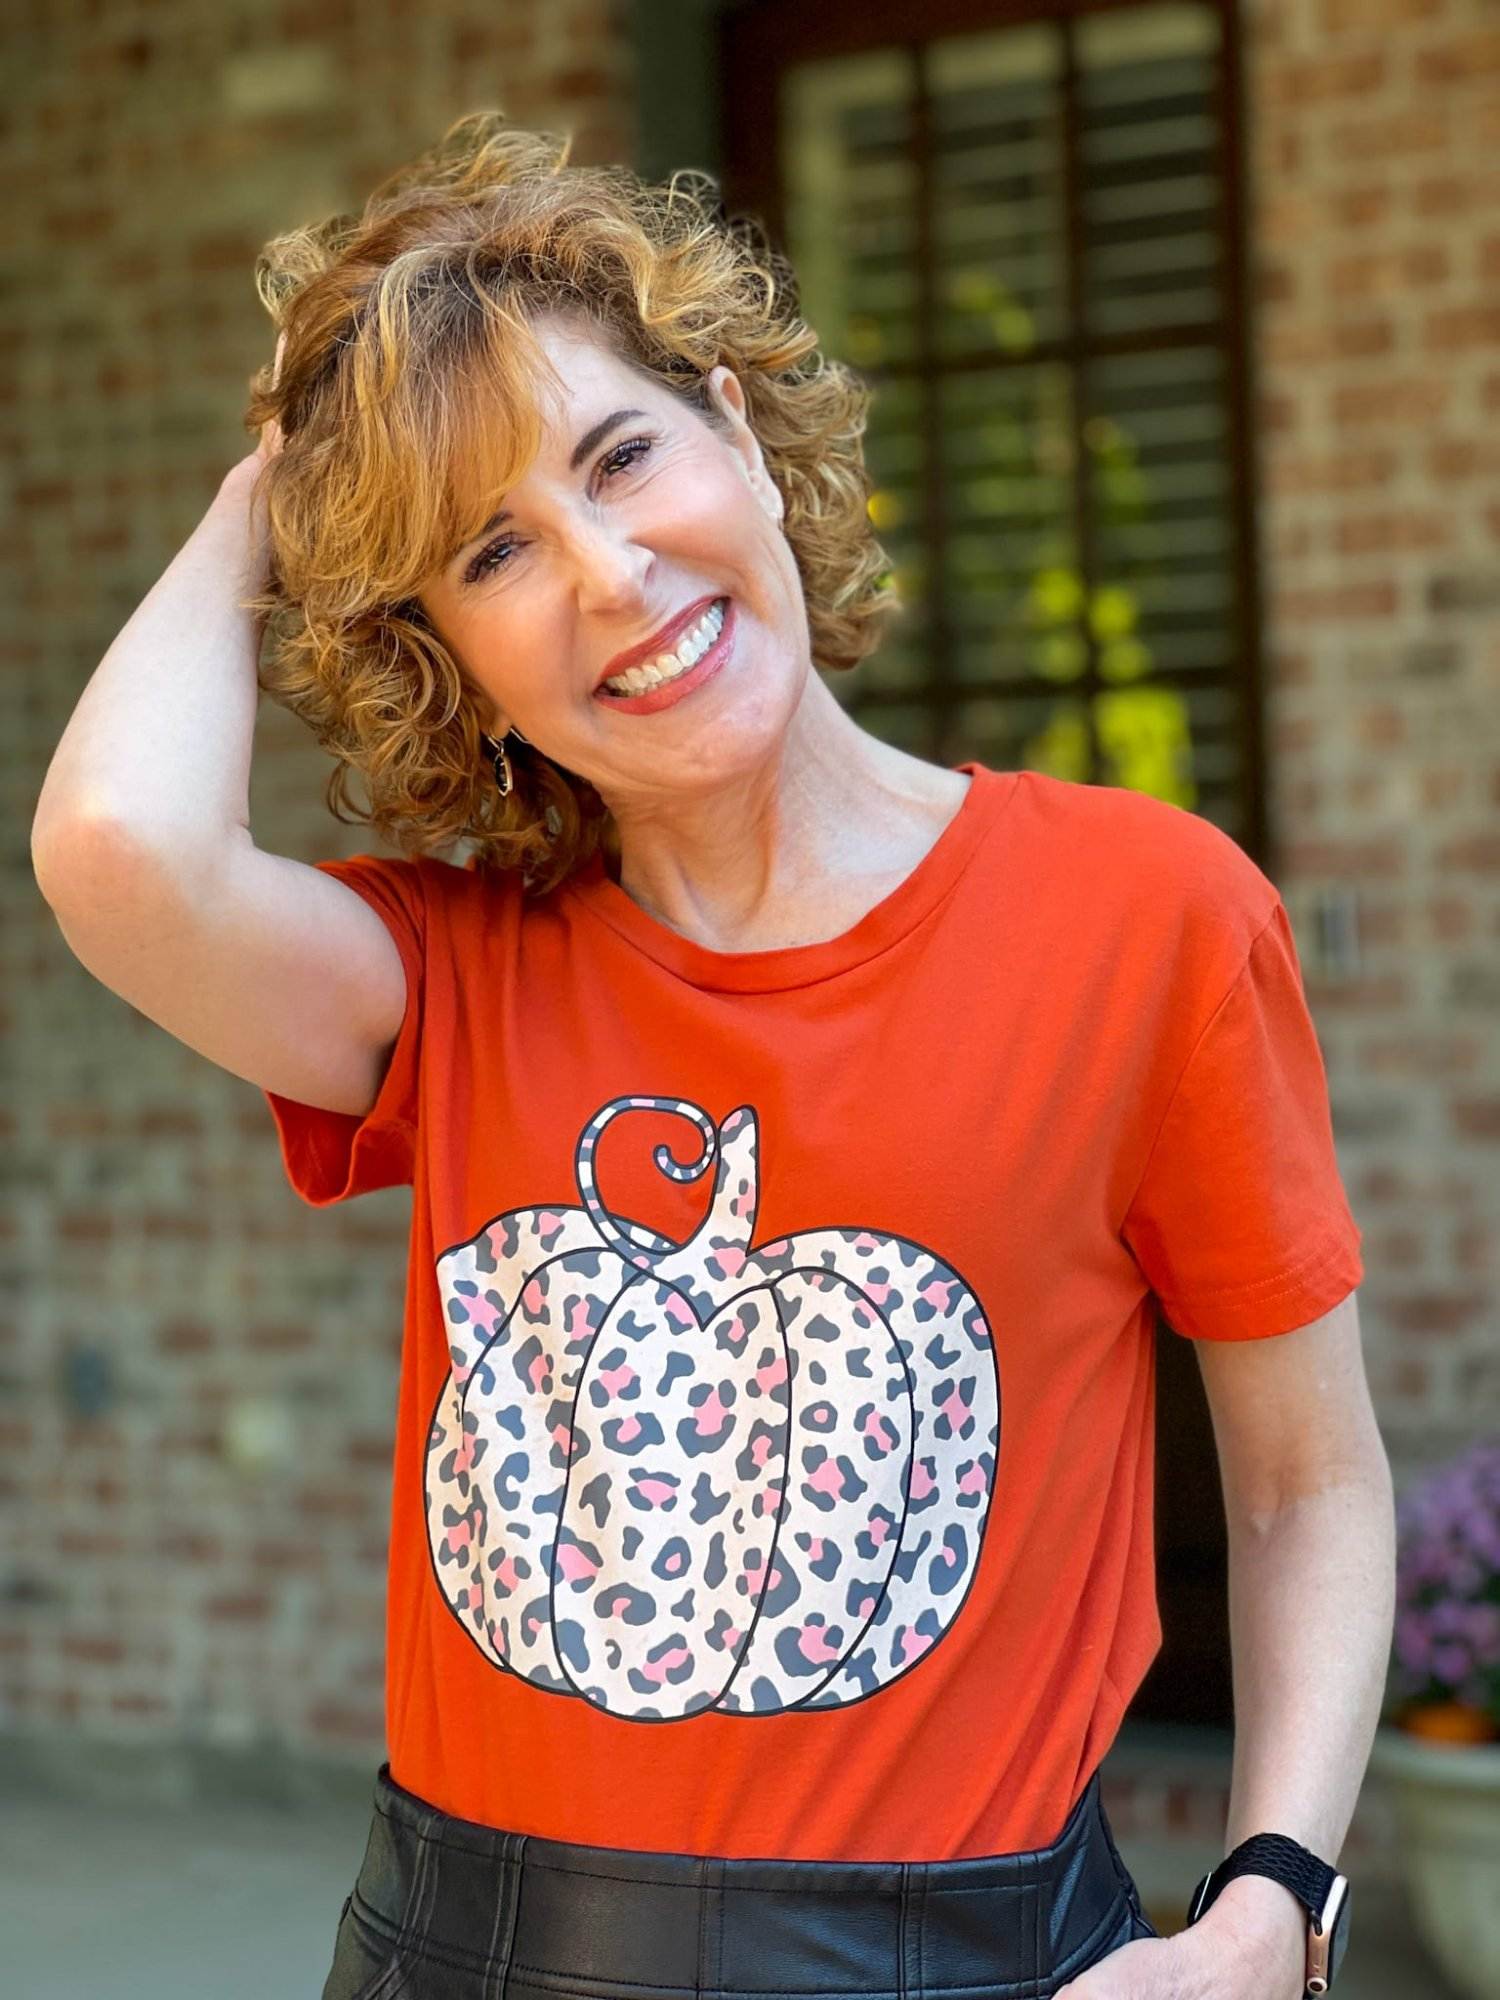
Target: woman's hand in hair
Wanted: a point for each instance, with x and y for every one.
(237, 489)
(270, 430)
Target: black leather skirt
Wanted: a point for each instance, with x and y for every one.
(448, 1907)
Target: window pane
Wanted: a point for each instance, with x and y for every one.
(849, 170)
(1164, 610)
(1130, 670)
(1010, 560)
(1000, 224)
(1179, 744)
(1041, 732)
(1149, 139)
(893, 453)
(1160, 456)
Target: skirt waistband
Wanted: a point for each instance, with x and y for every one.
(523, 1916)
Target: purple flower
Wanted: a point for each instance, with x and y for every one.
(1451, 1663)
(1447, 1634)
(1413, 1647)
(1446, 1618)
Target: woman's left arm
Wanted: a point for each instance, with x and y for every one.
(1310, 1512)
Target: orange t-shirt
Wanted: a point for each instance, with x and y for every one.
(774, 1448)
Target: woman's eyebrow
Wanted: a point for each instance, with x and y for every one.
(598, 434)
(594, 436)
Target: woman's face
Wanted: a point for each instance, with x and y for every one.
(633, 512)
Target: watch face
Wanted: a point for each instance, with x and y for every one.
(1196, 1899)
(1340, 1940)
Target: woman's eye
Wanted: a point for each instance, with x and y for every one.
(637, 447)
(482, 564)
(614, 461)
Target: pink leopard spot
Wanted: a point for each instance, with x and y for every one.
(772, 1375)
(955, 1408)
(711, 1416)
(658, 1670)
(572, 1563)
(812, 1644)
(828, 1478)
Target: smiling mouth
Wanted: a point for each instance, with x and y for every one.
(698, 644)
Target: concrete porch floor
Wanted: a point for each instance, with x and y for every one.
(194, 1899)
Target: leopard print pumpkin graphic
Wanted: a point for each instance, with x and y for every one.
(672, 1477)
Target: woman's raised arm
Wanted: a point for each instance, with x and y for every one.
(141, 842)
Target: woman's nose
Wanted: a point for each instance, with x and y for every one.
(610, 569)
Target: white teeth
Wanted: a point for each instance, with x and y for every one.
(694, 645)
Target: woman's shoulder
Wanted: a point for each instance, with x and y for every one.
(1169, 867)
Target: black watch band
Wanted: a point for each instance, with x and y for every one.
(1322, 1891)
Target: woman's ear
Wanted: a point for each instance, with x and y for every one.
(493, 722)
(727, 392)
(728, 396)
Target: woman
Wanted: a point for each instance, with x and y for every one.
(802, 1139)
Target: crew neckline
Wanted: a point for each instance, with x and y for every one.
(897, 913)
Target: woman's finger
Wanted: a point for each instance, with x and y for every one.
(270, 430)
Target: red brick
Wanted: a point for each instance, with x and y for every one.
(1356, 208)
(1453, 329)
(238, 1608)
(1394, 533)
(1476, 1117)
(1378, 597)
(1325, 78)
(1477, 851)
(1457, 59)
(1414, 401)
(281, 1337)
(1408, 132)
(1434, 1313)
(186, 1336)
(93, 1649)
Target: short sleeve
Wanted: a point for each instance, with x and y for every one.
(332, 1155)
(1240, 1222)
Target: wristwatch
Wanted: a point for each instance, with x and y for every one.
(1321, 1890)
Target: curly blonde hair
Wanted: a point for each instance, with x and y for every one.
(409, 397)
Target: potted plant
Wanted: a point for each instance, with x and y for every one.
(1439, 1741)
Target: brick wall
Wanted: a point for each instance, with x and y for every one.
(1375, 160)
(197, 1373)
